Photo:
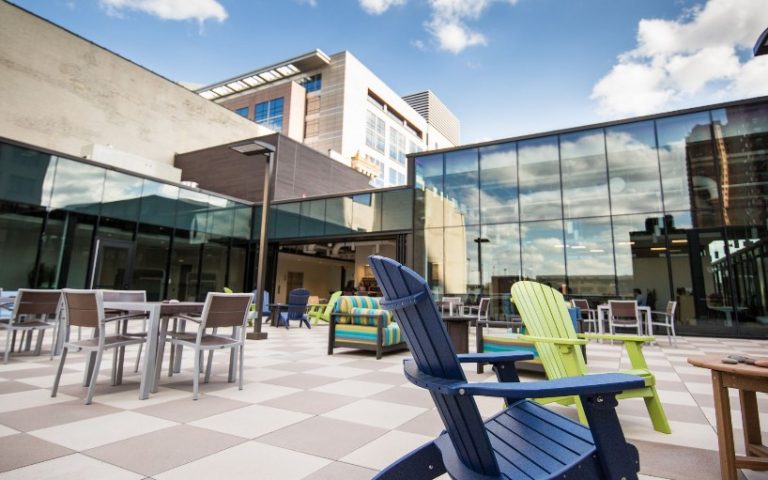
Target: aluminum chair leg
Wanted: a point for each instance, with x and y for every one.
(171, 359)
(196, 375)
(208, 367)
(58, 371)
(40, 336)
(94, 377)
(89, 368)
(241, 348)
(8, 341)
(138, 358)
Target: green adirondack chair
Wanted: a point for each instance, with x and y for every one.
(321, 312)
(549, 327)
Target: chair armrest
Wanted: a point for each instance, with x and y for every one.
(557, 341)
(184, 316)
(121, 317)
(494, 357)
(581, 385)
(621, 338)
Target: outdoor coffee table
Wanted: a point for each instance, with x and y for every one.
(458, 330)
(747, 379)
(159, 312)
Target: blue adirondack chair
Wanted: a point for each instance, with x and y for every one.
(526, 440)
(296, 308)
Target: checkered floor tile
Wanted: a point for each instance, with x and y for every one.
(304, 414)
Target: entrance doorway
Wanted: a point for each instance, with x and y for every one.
(112, 265)
(323, 268)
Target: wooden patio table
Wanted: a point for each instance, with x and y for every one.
(747, 379)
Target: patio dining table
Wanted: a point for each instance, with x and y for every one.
(157, 325)
(602, 317)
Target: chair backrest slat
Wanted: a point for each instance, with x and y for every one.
(544, 314)
(226, 309)
(671, 305)
(297, 303)
(36, 302)
(331, 304)
(82, 307)
(433, 352)
(626, 309)
(580, 303)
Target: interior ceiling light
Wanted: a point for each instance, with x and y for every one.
(578, 247)
(658, 249)
(597, 250)
(680, 240)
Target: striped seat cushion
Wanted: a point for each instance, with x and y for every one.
(348, 302)
(366, 335)
(370, 316)
(507, 343)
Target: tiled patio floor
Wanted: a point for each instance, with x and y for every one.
(304, 414)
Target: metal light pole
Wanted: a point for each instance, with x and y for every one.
(257, 147)
(479, 241)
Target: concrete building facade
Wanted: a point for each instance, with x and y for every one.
(346, 112)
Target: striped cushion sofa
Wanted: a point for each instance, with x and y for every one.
(358, 322)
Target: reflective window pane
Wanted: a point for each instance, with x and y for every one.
(192, 214)
(589, 256)
(585, 182)
(500, 252)
(397, 210)
(741, 134)
(286, 220)
(366, 212)
(462, 274)
(122, 196)
(539, 173)
(641, 257)
(461, 188)
(542, 252)
(242, 221)
(78, 186)
(429, 191)
(428, 258)
(633, 168)
(158, 203)
(20, 228)
(689, 179)
(498, 183)
(185, 262)
(221, 215)
(313, 217)
(26, 176)
(338, 215)
(152, 249)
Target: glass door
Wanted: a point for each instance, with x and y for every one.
(113, 265)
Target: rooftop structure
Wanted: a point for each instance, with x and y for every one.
(336, 105)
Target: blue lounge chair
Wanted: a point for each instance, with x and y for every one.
(525, 440)
(296, 308)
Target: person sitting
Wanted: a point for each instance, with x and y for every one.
(639, 297)
(349, 288)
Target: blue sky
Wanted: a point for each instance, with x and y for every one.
(505, 67)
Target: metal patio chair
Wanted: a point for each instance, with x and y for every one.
(33, 311)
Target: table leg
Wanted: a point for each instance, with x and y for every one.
(724, 428)
(150, 353)
(753, 442)
(163, 333)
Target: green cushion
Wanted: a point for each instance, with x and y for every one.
(369, 316)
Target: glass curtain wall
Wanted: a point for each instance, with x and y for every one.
(63, 221)
(674, 207)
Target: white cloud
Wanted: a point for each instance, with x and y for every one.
(448, 21)
(200, 10)
(377, 7)
(695, 58)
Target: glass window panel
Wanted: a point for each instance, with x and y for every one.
(192, 214)
(589, 256)
(52, 254)
(585, 178)
(122, 196)
(461, 188)
(633, 168)
(185, 261)
(214, 269)
(80, 252)
(641, 255)
(115, 229)
(499, 248)
(237, 258)
(20, 229)
(312, 218)
(78, 186)
(149, 261)
(428, 258)
(287, 220)
(221, 215)
(158, 203)
(429, 191)
(242, 221)
(542, 252)
(26, 176)
(462, 273)
(539, 176)
(498, 183)
(397, 210)
(741, 133)
(338, 215)
(689, 179)
(366, 212)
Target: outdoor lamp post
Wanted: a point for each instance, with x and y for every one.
(257, 147)
(479, 241)
(761, 47)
